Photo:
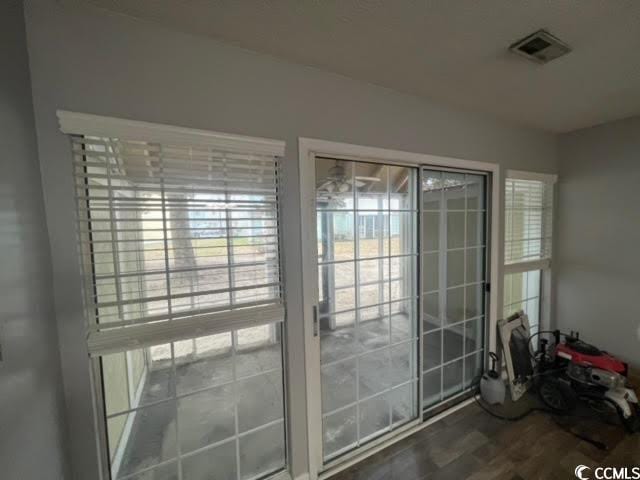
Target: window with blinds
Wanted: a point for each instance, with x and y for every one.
(528, 238)
(176, 231)
(528, 220)
(179, 241)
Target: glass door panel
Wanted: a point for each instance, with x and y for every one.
(453, 242)
(201, 408)
(367, 309)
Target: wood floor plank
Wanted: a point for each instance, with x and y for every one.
(460, 468)
(497, 467)
(412, 463)
(626, 453)
(443, 454)
(476, 446)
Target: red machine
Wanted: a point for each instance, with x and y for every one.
(572, 369)
(587, 355)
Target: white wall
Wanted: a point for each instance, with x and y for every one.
(598, 237)
(94, 62)
(31, 403)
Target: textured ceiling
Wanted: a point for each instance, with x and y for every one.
(450, 51)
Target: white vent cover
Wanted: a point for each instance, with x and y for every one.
(540, 47)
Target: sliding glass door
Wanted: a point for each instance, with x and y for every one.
(367, 278)
(400, 309)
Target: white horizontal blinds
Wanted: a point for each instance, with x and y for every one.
(175, 230)
(528, 220)
(175, 236)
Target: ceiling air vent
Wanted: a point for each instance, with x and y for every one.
(540, 47)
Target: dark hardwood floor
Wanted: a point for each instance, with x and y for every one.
(470, 444)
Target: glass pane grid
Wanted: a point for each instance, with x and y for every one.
(453, 237)
(367, 324)
(448, 362)
(522, 291)
(365, 398)
(353, 356)
(369, 306)
(382, 257)
(198, 399)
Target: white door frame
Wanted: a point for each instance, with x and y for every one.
(308, 149)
